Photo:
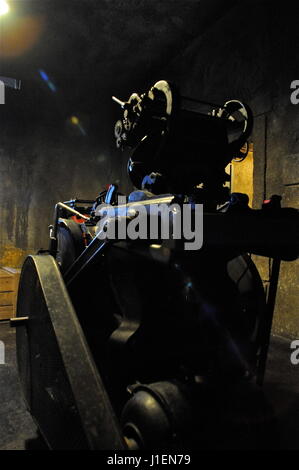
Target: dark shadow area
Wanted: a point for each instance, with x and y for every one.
(19, 432)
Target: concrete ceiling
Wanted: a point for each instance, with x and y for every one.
(91, 49)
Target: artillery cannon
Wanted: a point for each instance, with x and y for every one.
(137, 342)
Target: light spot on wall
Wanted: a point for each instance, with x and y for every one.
(242, 176)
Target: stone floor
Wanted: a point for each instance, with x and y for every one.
(16, 425)
(18, 431)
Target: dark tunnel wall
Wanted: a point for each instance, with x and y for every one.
(38, 169)
(251, 54)
(89, 50)
(213, 50)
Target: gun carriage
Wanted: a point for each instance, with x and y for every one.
(139, 343)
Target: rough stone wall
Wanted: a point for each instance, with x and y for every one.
(250, 53)
(37, 169)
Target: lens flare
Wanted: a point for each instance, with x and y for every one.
(74, 120)
(20, 34)
(46, 79)
(77, 123)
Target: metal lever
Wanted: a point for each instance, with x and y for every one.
(17, 321)
(118, 101)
